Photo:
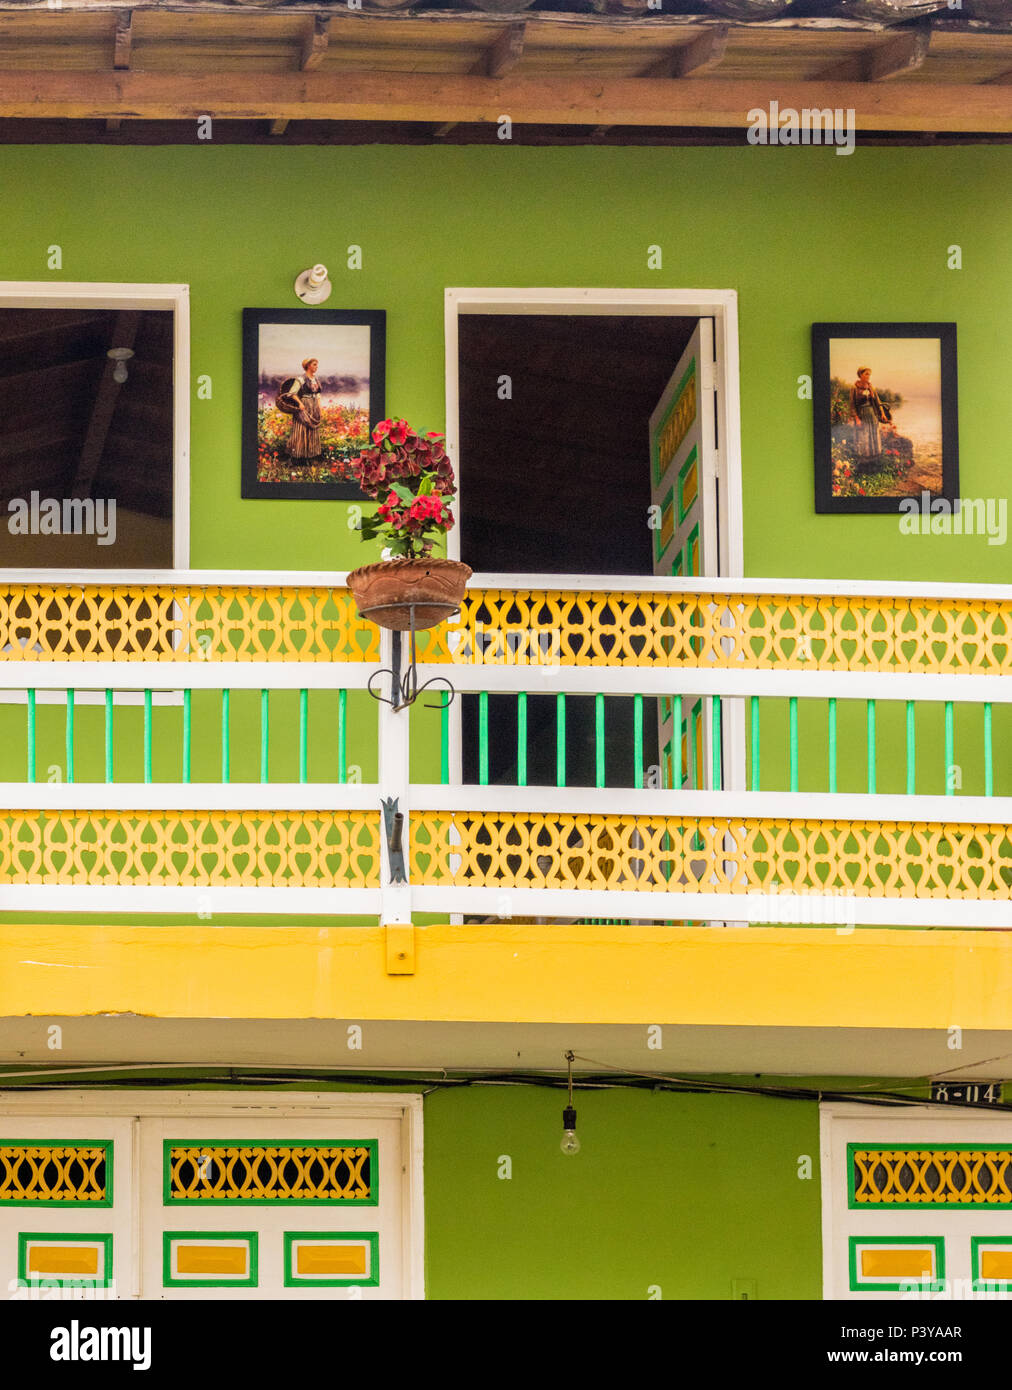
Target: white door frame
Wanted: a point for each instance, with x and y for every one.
(721, 305)
(54, 294)
(288, 1105)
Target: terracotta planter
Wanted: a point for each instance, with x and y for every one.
(384, 591)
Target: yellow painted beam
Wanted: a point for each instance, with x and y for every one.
(757, 977)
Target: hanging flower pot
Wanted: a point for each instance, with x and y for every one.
(394, 592)
(413, 476)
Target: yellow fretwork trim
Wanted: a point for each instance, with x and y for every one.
(619, 627)
(757, 976)
(713, 854)
(189, 849)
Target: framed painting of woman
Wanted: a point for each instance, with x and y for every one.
(885, 405)
(313, 390)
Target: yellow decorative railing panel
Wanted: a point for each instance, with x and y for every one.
(55, 1174)
(166, 849)
(964, 1176)
(269, 1172)
(707, 855)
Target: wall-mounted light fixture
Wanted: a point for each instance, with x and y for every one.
(121, 356)
(570, 1143)
(313, 286)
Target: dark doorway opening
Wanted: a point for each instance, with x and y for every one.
(555, 479)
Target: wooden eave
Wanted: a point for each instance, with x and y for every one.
(131, 70)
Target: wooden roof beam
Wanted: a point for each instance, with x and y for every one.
(902, 53)
(532, 100)
(701, 54)
(122, 43)
(315, 43)
(500, 58)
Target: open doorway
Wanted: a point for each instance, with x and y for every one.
(554, 479)
(559, 406)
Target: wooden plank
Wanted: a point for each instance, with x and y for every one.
(379, 96)
(701, 54)
(903, 53)
(314, 50)
(123, 41)
(314, 45)
(506, 52)
(502, 57)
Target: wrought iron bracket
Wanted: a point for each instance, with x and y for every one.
(393, 821)
(404, 687)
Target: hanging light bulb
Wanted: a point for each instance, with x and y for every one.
(570, 1142)
(121, 356)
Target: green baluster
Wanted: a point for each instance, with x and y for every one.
(988, 759)
(911, 750)
(265, 734)
(108, 737)
(717, 779)
(950, 748)
(793, 717)
(599, 739)
(754, 722)
(832, 745)
(187, 733)
(303, 735)
(676, 742)
(483, 738)
(342, 736)
(560, 740)
(147, 735)
(70, 735)
(522, 739)
(871, 747)
(31, 735)
(637, 740)
(225, 759)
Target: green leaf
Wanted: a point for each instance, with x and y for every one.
(425, 487)
(404, 493)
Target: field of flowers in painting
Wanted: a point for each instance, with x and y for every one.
(344, 432)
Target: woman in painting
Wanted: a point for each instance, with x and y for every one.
(867, 412)
(300, 398)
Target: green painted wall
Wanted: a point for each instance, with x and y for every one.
(801, 234)
(682, 1192)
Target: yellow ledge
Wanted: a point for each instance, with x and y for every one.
(760, 976)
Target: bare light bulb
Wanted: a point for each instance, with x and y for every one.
(120, 356)
(570, 1142)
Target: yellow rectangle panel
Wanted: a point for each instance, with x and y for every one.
(996, 1264)
(63, 1259)
(688, 489)
(898, 1264)
(330, 1259)
(212, 1259)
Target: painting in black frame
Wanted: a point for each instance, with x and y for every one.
(884, 402)
(301, 423)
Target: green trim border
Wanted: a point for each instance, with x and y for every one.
(693, 535)
(67, 1203)
(854, 1205)
(936, 1285)
(371, 1201)
(668, 504)
(980, 1285)
(250, 1282)
(293, 1282)
(103, 1238)
(692, 457)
